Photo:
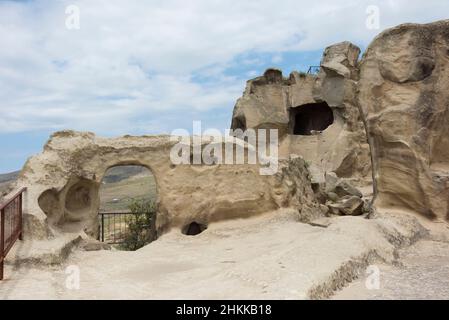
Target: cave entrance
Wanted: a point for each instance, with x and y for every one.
(239, 123)
(193, 229)
(310, 119)
(127, 212)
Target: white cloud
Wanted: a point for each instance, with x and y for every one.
(137, 60)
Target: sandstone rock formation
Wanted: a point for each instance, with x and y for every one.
(316, 115)
(395, 99)
(396, 93)
(404, 97)
(63, 184)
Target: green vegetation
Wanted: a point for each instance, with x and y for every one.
(141, 225)
(129, 189)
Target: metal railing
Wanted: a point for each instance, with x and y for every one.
(10, 226)
(314, 70)
(114, 226)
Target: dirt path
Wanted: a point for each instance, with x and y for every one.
(422, 273)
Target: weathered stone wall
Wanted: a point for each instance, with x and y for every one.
(63, 184)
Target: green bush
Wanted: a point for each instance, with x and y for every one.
(141, 225)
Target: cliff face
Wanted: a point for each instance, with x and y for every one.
(396, 100)
(404, 96)
(316, 115)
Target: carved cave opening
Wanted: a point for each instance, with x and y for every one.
(310, 119)
(239, 123)
(193, 229)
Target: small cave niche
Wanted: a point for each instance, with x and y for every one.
(310, 119)
(49, 203)
(239, 127)
(193, 228)
(80, 201)
(78, 197)
(239, 123)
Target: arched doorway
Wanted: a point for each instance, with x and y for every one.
(127, 211)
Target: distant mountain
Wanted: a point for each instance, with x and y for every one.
(113, 175)
(117, 174)
(8, 177)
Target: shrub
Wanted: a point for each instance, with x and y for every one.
(141, 225)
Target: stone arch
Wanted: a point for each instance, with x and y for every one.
(75, 164)
(75, 207)
(119, 163)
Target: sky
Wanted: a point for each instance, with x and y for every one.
(137, 67)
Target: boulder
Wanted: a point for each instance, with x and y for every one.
(351, 206)
(336, 187)
(344, 188)
(331, 181)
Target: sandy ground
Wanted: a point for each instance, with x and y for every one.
(267, 257)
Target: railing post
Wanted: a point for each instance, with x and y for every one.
(102, 227)
(20, 217)
(2, 243)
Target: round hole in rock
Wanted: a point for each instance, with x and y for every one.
(193, 229)
(310, 119)
(49, 203)
(78, 197)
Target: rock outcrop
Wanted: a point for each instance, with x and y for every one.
(392, 107)
(404, 80)
(316, 115)
(63, 184)
(396, 93)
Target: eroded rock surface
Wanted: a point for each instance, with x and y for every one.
(396, 93)
(316, 115)
(403, 94)
(392, 107)
(63, 184)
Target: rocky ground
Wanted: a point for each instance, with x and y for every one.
(422, 273)
(266, 257)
